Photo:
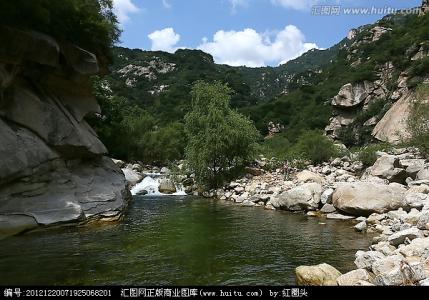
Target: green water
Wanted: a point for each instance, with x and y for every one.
(181, 241)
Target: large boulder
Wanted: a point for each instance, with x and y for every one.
(301, 198)
(388, 167)
(320, 275)
(364, 198)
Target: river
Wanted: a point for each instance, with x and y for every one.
(181, 241)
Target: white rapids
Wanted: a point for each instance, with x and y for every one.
(150, 184)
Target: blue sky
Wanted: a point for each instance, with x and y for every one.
(244, 32)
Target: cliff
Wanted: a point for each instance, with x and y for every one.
(53, 168)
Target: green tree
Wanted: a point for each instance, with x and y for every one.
(418, 120)
(220, 140)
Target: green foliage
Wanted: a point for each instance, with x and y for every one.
(418, 120)
(90, 24)
(367, 155)
(275, 147)
(221, 141)
(315, 147)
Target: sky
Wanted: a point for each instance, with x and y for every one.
(253, 33)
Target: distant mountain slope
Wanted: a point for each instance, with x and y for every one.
(371, 59)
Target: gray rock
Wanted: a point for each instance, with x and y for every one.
(412, 166)
(399, 237)
(355, 277)
(416, 200)
(119, 163)
(360, 226)
(352, 95)
(423, 221)
(388, 167)
(335, 216)
(383, 247)
(365, 260)
(364, 198)
(307, 176)
(327, 196)
(388, 271)
(304, 197)
(131, 176)
(418, 247)
(165, 170)
(423, 174)
(412, 217)
(328, 208)
(424, 282)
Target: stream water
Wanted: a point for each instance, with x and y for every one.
(181, 241)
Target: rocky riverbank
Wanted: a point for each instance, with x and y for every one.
(389, 198)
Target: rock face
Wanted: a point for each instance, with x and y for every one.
(52, 164)
(392, 127)
(351, 99)
(364, 198)
(320, 275)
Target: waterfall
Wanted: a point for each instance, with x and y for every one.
(150, 184)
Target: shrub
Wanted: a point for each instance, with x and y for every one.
(368, 155)
(277, 146)
(315, 147)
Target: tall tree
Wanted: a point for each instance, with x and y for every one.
(221, 140)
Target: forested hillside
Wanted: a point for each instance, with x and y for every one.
(147, 93)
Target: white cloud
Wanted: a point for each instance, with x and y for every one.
(123, 8)
(166, 4)
(164, 40)
(253, 49)
(238, 3)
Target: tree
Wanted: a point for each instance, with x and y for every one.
(220, 140)
(418, 120)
